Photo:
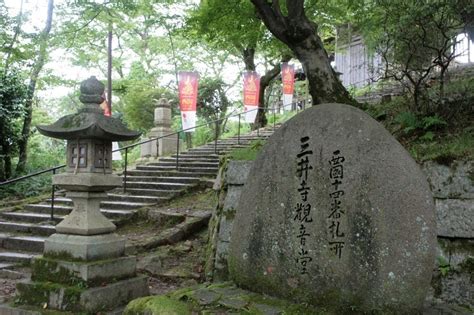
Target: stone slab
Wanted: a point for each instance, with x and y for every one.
(87, 181)
(102, 270)
(336, 213)
(454, 182)
(92, 300)
(86, 218)
(455, 217)
(114, 295)
(87, 248)
(237, 172)
(232, 198)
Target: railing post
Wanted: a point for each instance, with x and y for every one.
(53, 188)
(238, 132)
(157, 148)
(274, 118)
(177, 151)
(258, 130)
(217, 135)
(125, 171)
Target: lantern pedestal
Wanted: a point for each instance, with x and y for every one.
(86, 191)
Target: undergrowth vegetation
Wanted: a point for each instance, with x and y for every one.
(443, 135)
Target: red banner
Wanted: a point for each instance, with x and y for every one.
(288, 78)
(251, 88)
(188, 87)
(188, 92)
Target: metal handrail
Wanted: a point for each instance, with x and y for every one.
(126, 148)
(31, 175)
(10, 181)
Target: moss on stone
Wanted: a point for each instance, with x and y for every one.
(230, 214)
(157, 305)
(39, 293)
(45, 269)
(468, 267)
(249, 153)
(62, 255)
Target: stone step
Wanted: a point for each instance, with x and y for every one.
(24, 243)
(197, 157)
(145, 199)
(190, 159)
(168, 179)
(7, 265)
(30, 217)
(172, 173)
(163, 194)
(207, 170)
(185, 164)
(31, 228)
(160, 185)
(41, 214)
(16, 257)
(109, 204)
(201, 152)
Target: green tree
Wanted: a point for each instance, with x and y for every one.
(291, 24)
(13, 96)
(212, 103)
(235, 27)
(36, 69)
(416, 40)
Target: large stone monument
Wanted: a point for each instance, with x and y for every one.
(83, 268)
(336, 213)
(163, 146)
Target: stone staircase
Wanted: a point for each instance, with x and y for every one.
(22, 232)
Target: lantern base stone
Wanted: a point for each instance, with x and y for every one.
(95, 247)
(79, 300)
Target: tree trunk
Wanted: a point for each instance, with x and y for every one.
(5, 161)
(109, 67)
(300, 35)
(15, 37)
(248, 55)
(261, 119)
(25, 133)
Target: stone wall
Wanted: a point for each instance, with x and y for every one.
(230, 182)
(453, 190)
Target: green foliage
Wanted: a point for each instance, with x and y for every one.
(26, 188)
(249, 153)
(212, 102)
(427, 137)
(281, 118)
(443, 148)
(232, 129)
(157, 305)
(443, 265)
(407, 121)
(433, 122)
(414, 38)
(139, 102)
(13, 96)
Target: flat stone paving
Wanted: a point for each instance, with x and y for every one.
(226, 298)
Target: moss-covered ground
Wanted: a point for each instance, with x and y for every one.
(222, 298)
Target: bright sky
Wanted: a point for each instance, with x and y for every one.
(60, 63)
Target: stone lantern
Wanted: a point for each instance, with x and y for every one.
(165, 145)
(84, 248)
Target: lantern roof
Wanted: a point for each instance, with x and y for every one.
(89, 122)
